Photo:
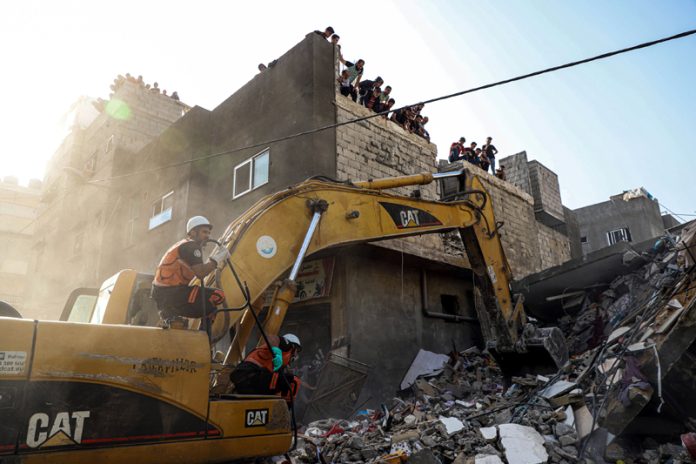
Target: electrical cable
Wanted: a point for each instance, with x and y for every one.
(431, 100)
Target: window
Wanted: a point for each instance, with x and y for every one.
(162, 210)
(450, 304)
(251, 174)
(619, 235)
(583, 240)
(81, 310)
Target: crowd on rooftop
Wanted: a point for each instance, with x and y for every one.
(483, 157)
(371, 93)
(154, 88)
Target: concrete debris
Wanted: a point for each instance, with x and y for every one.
(487, 459)
(452, 424)
(458, 408)
(425, 364)
(522, 445)
(489, 433)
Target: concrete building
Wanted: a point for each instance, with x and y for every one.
(76, 209)
(632, 216)
(18, 209)
(378, 304)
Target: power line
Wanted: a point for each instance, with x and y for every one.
(680, 216)
(432, 100)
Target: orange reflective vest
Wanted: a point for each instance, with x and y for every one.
(263, 357)
(172, 270)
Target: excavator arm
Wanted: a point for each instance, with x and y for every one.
(281, 229)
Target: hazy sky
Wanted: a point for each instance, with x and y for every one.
(605, 127)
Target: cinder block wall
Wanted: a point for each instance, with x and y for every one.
(517, 171)
(554, 247)
(529, 245)
(545, 190)
(520, 233)
(379, 148)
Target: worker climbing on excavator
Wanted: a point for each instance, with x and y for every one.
(263, 370)
(180, 264)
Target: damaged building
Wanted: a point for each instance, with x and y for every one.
(624, 397)
(374, 305)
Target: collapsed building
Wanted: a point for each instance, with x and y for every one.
(625, 395)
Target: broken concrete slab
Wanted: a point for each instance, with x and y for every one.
(426, 363)
(522, 444)
(487, 459)
(489, 433)
(557, 388)
(452, 424)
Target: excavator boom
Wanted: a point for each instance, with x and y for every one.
(276, 233)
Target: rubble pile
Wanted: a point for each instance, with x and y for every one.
(462, 415)
(627, 296)
(463, 411)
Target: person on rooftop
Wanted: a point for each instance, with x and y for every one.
(387, 106)
(355, 71)
(367, 87)
(346, 88)
(327, 32)
(334, 40)
(490, 151)
(456, 150)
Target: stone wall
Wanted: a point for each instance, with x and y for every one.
(554, 246)
(379, 148)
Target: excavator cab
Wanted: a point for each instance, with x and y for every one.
(123, 298)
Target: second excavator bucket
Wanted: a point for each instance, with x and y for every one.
(540, 351)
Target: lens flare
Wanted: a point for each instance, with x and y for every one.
(118, 109)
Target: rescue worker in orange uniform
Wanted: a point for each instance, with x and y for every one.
(182, 262)
(262, 372)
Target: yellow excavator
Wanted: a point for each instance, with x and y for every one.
(93, 387)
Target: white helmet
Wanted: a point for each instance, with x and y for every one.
(290, 338)
(196, 221)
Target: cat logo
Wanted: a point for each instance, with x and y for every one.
(256, 417)
(63, 429)
(407, 218)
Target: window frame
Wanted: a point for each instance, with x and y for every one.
(160, 216)
(623, 231)
(251, 161)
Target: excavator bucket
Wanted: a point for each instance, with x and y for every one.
(541, 351)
